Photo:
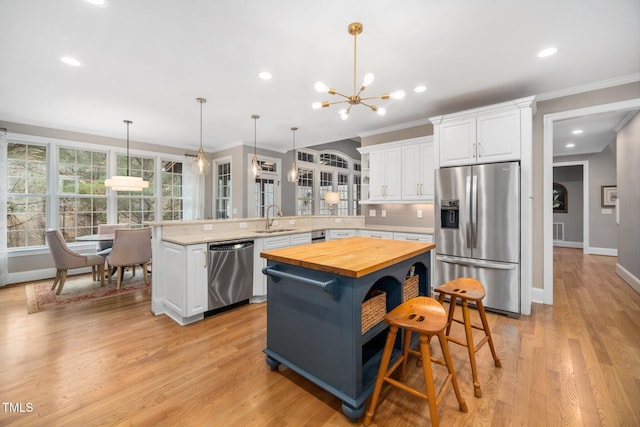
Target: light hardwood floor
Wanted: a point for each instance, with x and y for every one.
(576, 363)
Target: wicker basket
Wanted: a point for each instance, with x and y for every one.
(410, 287)
(374, 307)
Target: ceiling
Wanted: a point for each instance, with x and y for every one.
(147, 61)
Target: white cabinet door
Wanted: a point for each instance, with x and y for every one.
(376, 234)
(385, 174)
(300, 239)
(457, 142)
(411, 172)
(417, 171)
(185, 278)
(498, 136)
(427, 171)
(340, 234)
(197, 297)
(415, 237)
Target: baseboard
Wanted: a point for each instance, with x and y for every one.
(602, 251)
(537, 295)
(565, 244)
(626, 275)
(45, 273)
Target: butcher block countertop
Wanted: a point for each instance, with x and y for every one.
(351, 257)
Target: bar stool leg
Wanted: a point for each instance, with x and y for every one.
(487, 331)
(428, 379)
(382, 373)
(405, 353)
(471, 348)
(449, 362)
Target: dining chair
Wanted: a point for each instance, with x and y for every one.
(65, 259)
(104, 246)
(130, 247)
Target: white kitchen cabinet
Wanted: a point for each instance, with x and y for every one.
(385, 178)
(418, 171)
(376, 234)
(184, 278)
(415, 237)
(340, 233)
(483, 135)
(265, 244)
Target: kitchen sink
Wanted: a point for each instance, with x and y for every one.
(275, 230)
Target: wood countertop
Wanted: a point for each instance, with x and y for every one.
(351, 257)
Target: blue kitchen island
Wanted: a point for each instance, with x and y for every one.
(314, 309)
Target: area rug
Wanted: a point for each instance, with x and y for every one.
(78, 288)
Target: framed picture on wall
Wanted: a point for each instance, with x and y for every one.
(608, 196)
(559, 198)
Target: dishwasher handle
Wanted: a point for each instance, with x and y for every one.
(230, 246)
(328, 286)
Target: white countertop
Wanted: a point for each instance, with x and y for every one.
(252, 234)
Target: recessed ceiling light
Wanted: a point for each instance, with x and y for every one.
(420, 88)
(100, 3)
(70, 60)
(265, 75)
(570, 145)
(547, 52)
(577, 132)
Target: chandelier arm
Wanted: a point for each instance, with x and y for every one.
(372, 97)
(337, 102)
(341, 94)
(373, 107)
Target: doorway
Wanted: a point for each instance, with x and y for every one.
(547, 171)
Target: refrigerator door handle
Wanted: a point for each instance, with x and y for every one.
(468, 225)
(474, 210)
(477, 263)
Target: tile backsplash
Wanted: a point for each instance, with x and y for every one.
(399, 214)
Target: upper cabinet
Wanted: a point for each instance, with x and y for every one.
(400, 171)
(483, 135)
(384, 174)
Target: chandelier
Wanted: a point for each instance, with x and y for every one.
(292, 176)
(200, 164)
(354, 29)
(126, 183)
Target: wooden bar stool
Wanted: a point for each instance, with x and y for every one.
(427, 317)
(467, 289)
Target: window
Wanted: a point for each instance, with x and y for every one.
(335, 160)
(27, 194)
(357, 194)
(172, 204)
(343, 190)
(306, 157)
(326, 185)
(223, 190)
(304, 192)
(82, 200)
(136, 207)
(265, 194)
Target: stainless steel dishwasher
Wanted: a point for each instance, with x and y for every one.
(230, 274)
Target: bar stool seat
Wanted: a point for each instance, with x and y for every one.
(426, 317)
(467, 289)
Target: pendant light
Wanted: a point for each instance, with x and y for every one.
(292, 176)
(126, 183)
(255, 168)
(200, 164)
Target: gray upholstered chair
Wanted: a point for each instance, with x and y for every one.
(65, 259)
(130, 247)
(108, 229)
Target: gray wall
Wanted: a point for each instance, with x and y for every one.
(573, 219)
(603, 231)
(628, 171)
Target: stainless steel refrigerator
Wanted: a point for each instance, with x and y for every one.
(477, 230)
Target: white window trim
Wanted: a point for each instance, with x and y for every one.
(216, 162)
(277, 176)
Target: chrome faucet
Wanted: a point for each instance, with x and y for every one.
(269, 222)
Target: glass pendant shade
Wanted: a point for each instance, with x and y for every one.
(126, 182)
(255, 167)
(200, 164)
(292, 175)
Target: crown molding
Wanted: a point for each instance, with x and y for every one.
(603, 84)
